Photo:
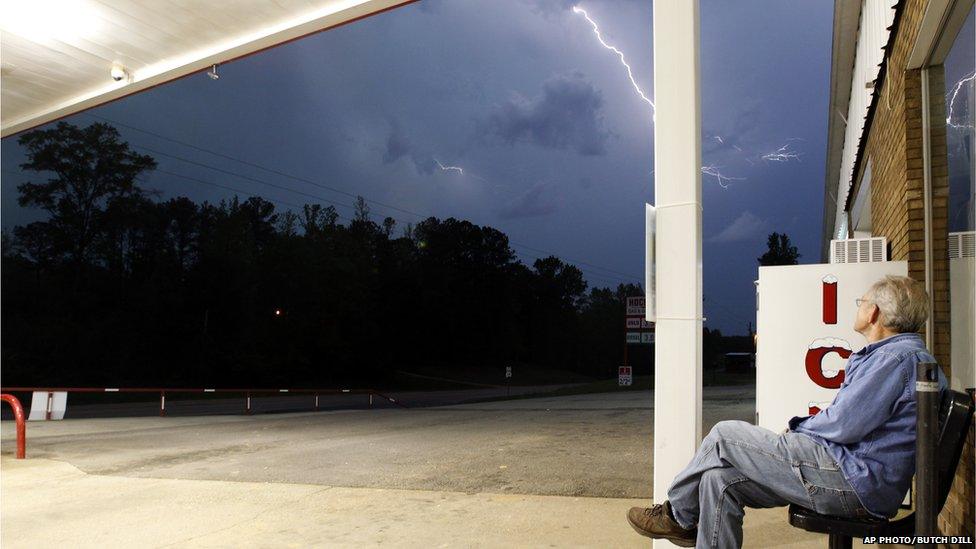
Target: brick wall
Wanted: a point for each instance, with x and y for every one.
(894, 150)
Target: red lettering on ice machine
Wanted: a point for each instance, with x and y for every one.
(818, 350)
(829, 299)
(805, 319)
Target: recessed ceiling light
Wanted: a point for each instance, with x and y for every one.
(44, 20)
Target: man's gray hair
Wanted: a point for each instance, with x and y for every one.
(903, 303)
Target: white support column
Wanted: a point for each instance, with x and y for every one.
(677, 197)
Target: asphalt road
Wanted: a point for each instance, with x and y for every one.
(597, 445)
(113, 404)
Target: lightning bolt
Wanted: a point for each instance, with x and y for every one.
(721, 178)
(461, 171)
(715, 172)
(955, 92)
(620, 54)
(457, 169)
(782, 154)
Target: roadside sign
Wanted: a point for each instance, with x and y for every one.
(48, 405)
(624, 376)
(640, 338)
(508, 372)
(635, 306)
(637, 323)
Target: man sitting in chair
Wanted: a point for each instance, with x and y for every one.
(855, 458)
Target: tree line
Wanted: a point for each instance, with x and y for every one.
(118, 287)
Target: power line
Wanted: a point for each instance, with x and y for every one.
(624, 278)
(725, 308)
(317, 184)
(590, 273)
(229, 188)
(629, 277)
(594, 270)
(316, 197)
(293, 205)
(242, 176)
(607, 278)
(255, 165)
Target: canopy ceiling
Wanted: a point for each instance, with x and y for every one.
(56, 56)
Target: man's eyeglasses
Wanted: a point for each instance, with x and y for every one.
(861, 301)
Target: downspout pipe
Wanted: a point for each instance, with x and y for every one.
(927, 205)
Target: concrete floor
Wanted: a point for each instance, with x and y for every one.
(557, 472)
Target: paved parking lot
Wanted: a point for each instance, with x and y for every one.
(558, 471)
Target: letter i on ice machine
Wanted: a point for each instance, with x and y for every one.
(805, 333)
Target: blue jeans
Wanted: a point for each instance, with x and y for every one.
(742, 465)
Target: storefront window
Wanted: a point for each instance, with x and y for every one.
(959, 74)
(960, 84)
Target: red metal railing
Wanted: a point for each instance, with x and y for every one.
(21, 425)
(247, 393)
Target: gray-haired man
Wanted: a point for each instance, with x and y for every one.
(853, 459)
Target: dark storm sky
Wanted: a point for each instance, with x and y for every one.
(555, 143)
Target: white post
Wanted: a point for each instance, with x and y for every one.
(678, 246)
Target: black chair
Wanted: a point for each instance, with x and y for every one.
(955, 417)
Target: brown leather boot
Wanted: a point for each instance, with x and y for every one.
(657, 522)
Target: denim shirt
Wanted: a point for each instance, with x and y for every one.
(869, 429)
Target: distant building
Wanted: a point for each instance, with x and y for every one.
(740, 362)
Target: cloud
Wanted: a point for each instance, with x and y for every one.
(566, 115)
(399, 146)
(744, 227)
(551, 7)
(538, 201)
(548, 8)
(430, 6)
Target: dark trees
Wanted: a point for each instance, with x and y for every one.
(780, 251)
(239, 293)
(90, 169)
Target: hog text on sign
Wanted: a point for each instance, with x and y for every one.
(635, 306)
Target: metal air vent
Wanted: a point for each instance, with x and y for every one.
(859, 250)
(962, 245)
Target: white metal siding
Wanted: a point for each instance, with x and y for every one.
(872, 35)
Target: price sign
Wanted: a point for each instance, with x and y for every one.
(625, 376)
